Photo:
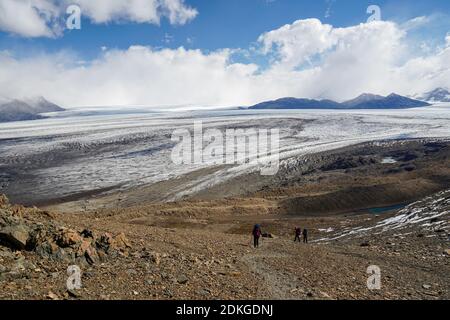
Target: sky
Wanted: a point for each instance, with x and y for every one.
(170, 53)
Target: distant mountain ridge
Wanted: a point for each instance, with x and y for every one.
(436, 95)
(364, 101)
(28, 109)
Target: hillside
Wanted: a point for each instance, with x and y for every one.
(30, 109)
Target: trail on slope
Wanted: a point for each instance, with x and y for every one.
(277, 283)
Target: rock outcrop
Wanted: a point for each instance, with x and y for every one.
(20, 229)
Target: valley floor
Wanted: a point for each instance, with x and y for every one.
(201, 247)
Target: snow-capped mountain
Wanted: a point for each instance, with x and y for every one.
(41, 105)
(436, 95)
(28, 109)
(364, 98)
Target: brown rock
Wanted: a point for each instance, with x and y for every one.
(52, 296)
(16, 236)
(68, 238)
(84, 246)
(121, 241)
(105, 242)
(91, 255)
(155, 257)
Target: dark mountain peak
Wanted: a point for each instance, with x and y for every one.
(29, 109)
(363, 101)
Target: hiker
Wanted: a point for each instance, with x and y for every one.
(256, 235)
(305, 236)
(298, 233)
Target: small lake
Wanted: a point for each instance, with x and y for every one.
(386, 209)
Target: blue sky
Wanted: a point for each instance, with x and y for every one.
(128, 54)
(226, 24)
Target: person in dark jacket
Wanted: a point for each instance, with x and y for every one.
(305, 236)
(298, 233)
(256, 235)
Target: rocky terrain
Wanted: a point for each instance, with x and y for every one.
(139, 254)
(381, 203)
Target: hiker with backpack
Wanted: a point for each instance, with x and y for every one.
(305, 236)
(256, 235)
(298, 233)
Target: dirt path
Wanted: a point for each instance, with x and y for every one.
(277, 284)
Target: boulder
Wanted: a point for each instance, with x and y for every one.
(182, 279)
(15, 236)
(107, 242)
(68, 238)
(121, 241)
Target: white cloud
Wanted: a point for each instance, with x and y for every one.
(303, 40)
(29, 18)
(45, 18)
(137, 76)
(370, 57)
(140, 11)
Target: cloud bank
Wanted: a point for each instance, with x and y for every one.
(307, 59)
(45, 18)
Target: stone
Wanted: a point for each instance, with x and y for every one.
(105, 242)
(86, 233)
(155, 257)
(447, 252)
(52, 296)
(68, 238)
(91, 255)
(426, 286)
(121, 241)
(15, 236)
(204, 292)
(182, 279)
(74, 293)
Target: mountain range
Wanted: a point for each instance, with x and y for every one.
(28, 109)
(436, 95)
(364, 101)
